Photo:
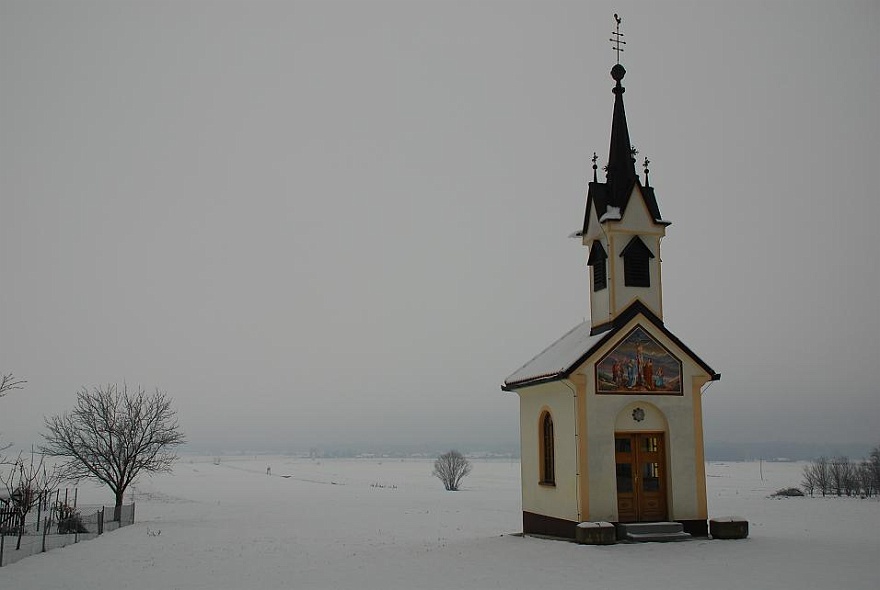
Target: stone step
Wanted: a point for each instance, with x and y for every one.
(645, 528)
(657, 537)
(653, 532)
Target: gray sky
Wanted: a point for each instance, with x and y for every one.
(317, 223)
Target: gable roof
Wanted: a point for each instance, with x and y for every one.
(561, 358)
(557, 359)
(599, 197)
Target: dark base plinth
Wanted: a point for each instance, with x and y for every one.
(538, 524)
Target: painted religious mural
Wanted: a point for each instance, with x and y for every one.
(639, 364)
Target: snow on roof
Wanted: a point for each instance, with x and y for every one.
(559, 357)
(611, 214)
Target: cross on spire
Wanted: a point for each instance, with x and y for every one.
(616, 39)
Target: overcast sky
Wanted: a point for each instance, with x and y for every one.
(319, 223)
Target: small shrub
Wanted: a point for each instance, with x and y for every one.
(787, 493)
(69, 520)
(451, 468)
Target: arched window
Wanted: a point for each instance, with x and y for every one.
(548, 459)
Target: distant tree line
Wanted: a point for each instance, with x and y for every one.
(839, 476)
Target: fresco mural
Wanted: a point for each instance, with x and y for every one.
(639, 364)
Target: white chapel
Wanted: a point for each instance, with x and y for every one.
(610, 414)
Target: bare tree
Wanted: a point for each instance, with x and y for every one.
(840, 471)
(865, 479)
(874, 468)
(809, 479)
(851, 478)
(113, 435)
(27, 483)
(821, 474)
(8, 382)
(451, 468)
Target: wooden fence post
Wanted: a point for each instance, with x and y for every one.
(20, 531)
(2, 542)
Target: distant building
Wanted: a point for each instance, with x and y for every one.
(610, 414)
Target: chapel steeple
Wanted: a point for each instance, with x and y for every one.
(622, 224)
(621, 170)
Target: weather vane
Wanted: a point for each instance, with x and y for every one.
(616, 39)
(594, 158)
(647, 161)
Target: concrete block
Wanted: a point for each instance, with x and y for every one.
(729, 527)
(595, 533)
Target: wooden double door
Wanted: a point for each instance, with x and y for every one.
(641, 476)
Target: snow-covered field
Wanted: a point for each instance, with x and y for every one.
(387, 523)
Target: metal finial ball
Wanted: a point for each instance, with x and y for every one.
(618, 72)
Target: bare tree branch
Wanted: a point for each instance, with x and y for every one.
(8, 382)
(113, 435)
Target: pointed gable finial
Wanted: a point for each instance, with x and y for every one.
(616, 39)
(595, 167)
(645, 164)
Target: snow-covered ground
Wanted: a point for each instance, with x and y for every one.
(387, 523)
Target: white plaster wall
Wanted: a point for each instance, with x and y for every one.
(671, 414)
(636, 221)
(559, 501)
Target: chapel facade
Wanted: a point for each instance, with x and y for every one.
(610, 414)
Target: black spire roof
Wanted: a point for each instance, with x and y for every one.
(621, 172)
(620, 175)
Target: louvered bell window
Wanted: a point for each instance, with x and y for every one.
(636, 264)
(597, 261)
(600, 276)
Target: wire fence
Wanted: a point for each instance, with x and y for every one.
(51, 525)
